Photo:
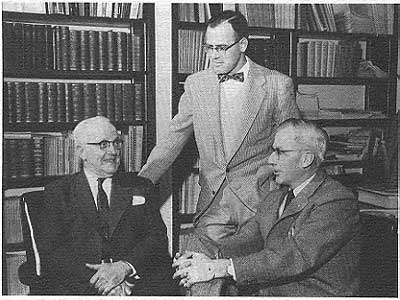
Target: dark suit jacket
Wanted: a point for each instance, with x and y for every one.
(311, 250)
(138, 235)
(268, 100)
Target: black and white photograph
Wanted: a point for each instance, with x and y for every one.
(184, 149)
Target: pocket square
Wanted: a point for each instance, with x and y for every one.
(138, 200)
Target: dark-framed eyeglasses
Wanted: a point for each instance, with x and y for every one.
(103, 145)
(279, 151)
(221, 49)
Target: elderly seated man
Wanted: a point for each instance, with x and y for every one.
(105, 235)
(303, 240)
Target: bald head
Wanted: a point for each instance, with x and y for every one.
(93, 130)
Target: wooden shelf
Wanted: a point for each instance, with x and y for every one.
(74, 74)
(341, 35)
(61, 19)
(58, 126)
(14, 183)
(341, 81)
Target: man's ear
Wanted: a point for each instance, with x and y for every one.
(243, 44)
(307, 159)
(80, 152)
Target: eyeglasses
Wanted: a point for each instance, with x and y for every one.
(279, 151)
(103, 145)
(221, 49)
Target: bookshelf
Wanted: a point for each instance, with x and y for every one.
(342, 59)
(64, 62)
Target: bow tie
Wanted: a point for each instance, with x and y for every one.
(237, 76)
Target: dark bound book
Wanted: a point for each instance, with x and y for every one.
(122, 50)
(74, 49)
(28, 54)
(42, 102)
(40, 47)
(65, 48)
(77, 101)
(26, 148)
(93, 50)
(137, 57)
(111, 51)
(110, 101)
(52, 102)
(49, 53)
(69, 110)
(139, 102)
(101, 104)
(118, 102)
(31, 102)
(61, 102)
(9, 101)
(103, 64)
(18, 46)
(85, 63)
(127, 102)
(89, 100)
(57, 48)
(13, 158)
(38, 155)
(19, 102)
(9, 46)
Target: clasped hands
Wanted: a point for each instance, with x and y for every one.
(193, 267)
(110, 278)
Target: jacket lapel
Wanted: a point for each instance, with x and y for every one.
(121, 198)
(302, 199)
(253, 97)
(210, 90)
(82, 199)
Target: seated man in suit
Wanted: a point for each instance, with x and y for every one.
(303, 239)
(105, 234)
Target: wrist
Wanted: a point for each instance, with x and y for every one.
(221, 268)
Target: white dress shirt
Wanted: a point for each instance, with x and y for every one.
(93, 184)
(231, 108)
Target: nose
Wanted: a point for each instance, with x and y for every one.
(111, 149)
(272, 158)
(214, 53)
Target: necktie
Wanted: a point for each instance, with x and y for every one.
(102, 208)
(237, 76)
(289, 198)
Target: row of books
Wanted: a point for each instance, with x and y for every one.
(26, 102)
(328, 58)
(51, 154)
(352, 145)
(85, 9)
(189, 194)
(47, 47)
(267, 15)
(351, 18)
(270, 51)
(192, 57)
(194, 12)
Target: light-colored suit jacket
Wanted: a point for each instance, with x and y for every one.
(268, 100)
(311, 250)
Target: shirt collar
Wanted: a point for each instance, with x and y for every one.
(298, 189)
(91, 176)
(245, 69)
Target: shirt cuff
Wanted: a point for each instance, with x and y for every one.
(134, 273)
(231, 269)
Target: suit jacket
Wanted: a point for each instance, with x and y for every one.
(268, 100)
(137, 235)
(311, 250)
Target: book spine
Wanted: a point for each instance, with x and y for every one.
(42, 102)
(103, 52)
(85, 64)
(77, 102)
(19, 102)
(101, 100)
(61, 110)
(38, 156)
(31, 102)
(111, 51)
(110, 101)
(127, 103)
(118, 101)
(26, 158)
(18, 46)
(139, 102)
(89, 100)
(69, 108)
(93, 50)
(74, 44)
(52, 102)
(10, 101)
(28, 57)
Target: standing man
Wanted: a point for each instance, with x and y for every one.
(233, 109)
(104, 234)
(303, 240)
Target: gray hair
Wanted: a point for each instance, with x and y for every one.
(90, 128)
(309, 134)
